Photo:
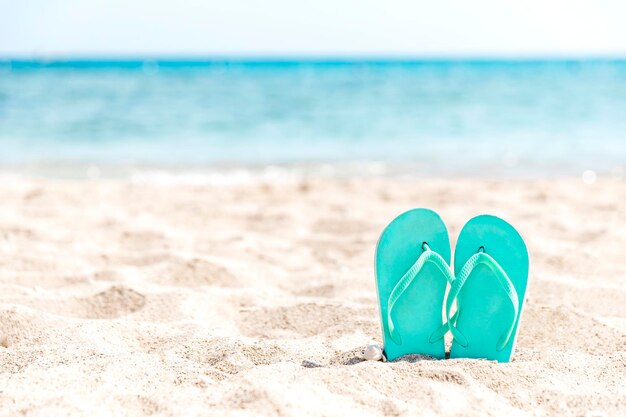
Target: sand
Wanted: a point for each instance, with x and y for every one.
(119, 298)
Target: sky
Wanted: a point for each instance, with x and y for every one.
(441, 28)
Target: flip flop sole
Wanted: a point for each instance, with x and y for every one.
(485, 310)
(418, 312)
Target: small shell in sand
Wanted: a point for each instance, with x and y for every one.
(373, 353)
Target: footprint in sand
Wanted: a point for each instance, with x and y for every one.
(307, 320)
(111, 303)
(552, 327)
(193, 273)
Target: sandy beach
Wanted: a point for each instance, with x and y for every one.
(122, 298)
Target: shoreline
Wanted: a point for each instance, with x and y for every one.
(249, 173)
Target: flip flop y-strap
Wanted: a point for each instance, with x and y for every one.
(477, 259)
(427, 255)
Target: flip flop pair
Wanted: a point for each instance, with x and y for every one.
(413, 272)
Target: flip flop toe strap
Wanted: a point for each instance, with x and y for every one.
(428, 256)
(482, 258)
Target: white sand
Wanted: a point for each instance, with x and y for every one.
(121, 299)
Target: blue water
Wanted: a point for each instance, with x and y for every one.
(524, 118)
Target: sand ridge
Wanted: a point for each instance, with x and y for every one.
(136, 299)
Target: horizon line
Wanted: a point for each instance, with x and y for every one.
(165, 59)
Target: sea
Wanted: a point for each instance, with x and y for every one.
(195, 118)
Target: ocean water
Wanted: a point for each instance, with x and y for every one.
(486, 118)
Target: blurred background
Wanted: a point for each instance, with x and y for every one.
(198, 89)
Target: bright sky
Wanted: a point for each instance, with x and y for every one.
(312, 27)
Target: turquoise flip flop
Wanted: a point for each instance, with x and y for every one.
(412, 272)
(491, 264)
